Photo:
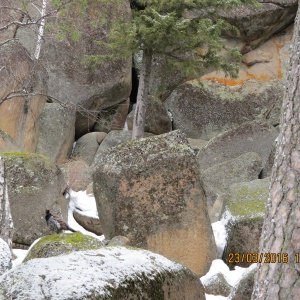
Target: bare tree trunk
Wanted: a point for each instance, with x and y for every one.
(41, 30)
(142, 97)
(6, 222)
(281, 231)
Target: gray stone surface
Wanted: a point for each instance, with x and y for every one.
(253, 136)
(114, 273)
(217, 285)
(83, 86)
(246, 203)
(86, 147)
(150, 191)
(219, 177)
(204, 110)
(258, 25)
(57, 132)
(34, 184)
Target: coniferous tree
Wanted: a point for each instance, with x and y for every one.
(192, 42)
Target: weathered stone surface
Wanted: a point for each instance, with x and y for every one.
(5, 257)
(219, 177)
(217, 286)
(249, 137)
(8, 15)
(86, 147)
(88, 223)
(34, 184)
(243, 290)
(264, 65)
(197, 144)
(119, 241)
(19, 74)
(150, 191)
(258, 25)
(114, 138)
(112, 118)
(77, 173)
(108, 273)
(87, 88)
(204, 110)
(63, 243)
(246, 203)
(57, 132)
(157, 119)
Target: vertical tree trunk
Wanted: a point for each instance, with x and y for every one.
(41, 30)
(142, 97)
(281, 229)
(6, 223)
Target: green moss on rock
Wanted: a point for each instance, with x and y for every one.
(247, 200)
(63, 243)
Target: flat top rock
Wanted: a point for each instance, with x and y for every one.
(84, 275)
(139, 152)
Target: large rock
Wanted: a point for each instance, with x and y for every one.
(34, 184)
(249, 137)
(150, 191)
(243, 290)
(114, 138)
(86, 147)
(217, 285)
(57, 132)
(219, 177)
(108, 273)
(5, 258)
(64, 243)
(20, 75)
(204, 110)
(89, 223)
(246, 203)
(266, 65)
(258, 25)
(77, 173)
(87, 87)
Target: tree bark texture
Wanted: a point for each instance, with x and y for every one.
(6, 222)
(281, 230)
(142, 97)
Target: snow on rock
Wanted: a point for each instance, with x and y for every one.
(218, 266)
(107, 273)
(19, 256)
(5, 257)
(83, 202)
(220, 233)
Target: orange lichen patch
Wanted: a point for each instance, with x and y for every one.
(262, 72)
(279, 46)
(227, 81)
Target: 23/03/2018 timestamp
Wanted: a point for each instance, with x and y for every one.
(260, 257)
